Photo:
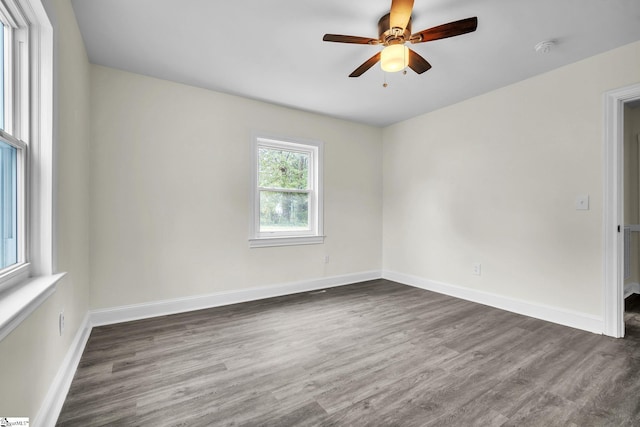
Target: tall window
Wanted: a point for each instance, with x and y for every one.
(12, 149)
(27, 276)
(287, 192)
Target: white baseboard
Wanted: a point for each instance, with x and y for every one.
(180, 305)
(558, 315)
(631, 288)
(53, 401)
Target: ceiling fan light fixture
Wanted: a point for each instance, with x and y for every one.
(394, 58)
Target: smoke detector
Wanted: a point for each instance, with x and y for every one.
(544, 46)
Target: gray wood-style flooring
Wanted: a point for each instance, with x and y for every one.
(372, 354)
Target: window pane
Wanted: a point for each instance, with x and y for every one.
(280, 211)
(278, 168)
(8, 205)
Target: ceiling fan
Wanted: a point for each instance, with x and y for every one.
(394, 30)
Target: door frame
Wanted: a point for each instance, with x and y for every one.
(613, 207)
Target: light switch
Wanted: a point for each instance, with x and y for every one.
(582, 203)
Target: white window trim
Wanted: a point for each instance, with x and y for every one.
(31, 283)
(311, 237)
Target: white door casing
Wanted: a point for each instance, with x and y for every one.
(613, 221)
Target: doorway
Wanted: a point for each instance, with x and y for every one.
(614, 210)
(631, 208)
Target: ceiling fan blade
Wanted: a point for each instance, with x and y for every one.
(366, 65)
(417, 63)
(443, 31)
(349, 39)
(400, 13)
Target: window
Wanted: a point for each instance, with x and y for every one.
(13, 122)
(286, 192)
(27, 276)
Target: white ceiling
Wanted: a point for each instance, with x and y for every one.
(273, 50)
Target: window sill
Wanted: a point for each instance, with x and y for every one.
(19, 301)
(285, 241)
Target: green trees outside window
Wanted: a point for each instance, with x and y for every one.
(283, 182)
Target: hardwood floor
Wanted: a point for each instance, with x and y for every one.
(371, 354)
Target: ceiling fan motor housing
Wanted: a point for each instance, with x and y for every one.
(389, 36)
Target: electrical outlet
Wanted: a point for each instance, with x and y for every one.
(326, 259)
(476, 268)
(61, 322)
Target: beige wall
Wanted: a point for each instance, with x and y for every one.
(170, 192)
(632, 185)
(32, 353)
(494, 180)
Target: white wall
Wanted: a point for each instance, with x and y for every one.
(31, 354)
(494, 180)
(170, 192)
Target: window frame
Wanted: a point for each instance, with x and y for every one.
(314, 235)
(16, 119)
